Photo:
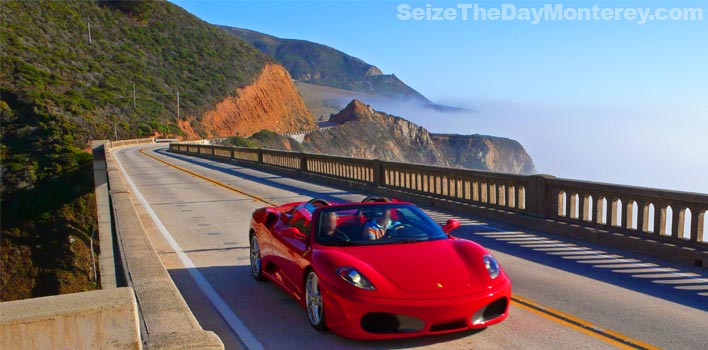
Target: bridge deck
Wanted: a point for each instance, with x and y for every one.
(199, 228)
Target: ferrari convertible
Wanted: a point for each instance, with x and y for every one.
(377, 269)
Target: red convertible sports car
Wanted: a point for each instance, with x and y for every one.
(377, 269)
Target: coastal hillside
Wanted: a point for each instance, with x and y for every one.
(74, 71)
(363, 132)
(321, 65)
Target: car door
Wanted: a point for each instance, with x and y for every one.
(290, 246)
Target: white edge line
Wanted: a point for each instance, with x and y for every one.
(235, 323)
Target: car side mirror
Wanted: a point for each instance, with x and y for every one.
(451, 225)
(293, 232)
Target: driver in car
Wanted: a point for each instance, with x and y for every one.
(329, 227)
(377, 227)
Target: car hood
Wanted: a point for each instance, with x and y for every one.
(417, 267)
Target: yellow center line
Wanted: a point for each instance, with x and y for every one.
(607, 335)
(208, 179)
(613, 337)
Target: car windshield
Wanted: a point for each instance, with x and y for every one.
(368, 224)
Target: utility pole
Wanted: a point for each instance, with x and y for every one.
(177, 104)
(88, 25)
(133, 95)
(115, 132)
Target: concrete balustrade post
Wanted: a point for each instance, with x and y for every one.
(303, 162)
(700, 234)
(675, 218)
(641, 218)
(629, 215)
(378, 172)
(537, 195)
(695, 222)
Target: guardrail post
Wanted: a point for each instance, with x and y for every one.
(536, 195)
(260, 156)
(232, 153)
(378, 172)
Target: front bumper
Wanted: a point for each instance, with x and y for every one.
(373, 318)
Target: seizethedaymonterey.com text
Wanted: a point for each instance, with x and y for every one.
(550, 12)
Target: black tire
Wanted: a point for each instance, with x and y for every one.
(313, 298)
(255, 258)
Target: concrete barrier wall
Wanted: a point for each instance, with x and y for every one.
(562, 206)
(166, 320)
(131, 142)
(111, 267)
(106, 258)
(102, 319)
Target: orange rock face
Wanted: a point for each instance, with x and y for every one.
(272, 102)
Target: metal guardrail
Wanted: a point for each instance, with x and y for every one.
(669, 216)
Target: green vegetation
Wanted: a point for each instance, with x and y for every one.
(58, 91)
(240, 141)
(265, 139)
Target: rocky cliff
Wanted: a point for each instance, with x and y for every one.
(365, 133)
(271, 102)
(485, 152)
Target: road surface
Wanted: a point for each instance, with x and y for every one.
(568, 294)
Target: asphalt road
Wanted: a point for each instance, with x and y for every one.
(583, 296)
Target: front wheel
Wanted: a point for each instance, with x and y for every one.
(313, 299)
(256, 265)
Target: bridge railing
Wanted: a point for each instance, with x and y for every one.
(352, 169)
(673, 217)
(484, 188)
(120, 143)
(642, 212)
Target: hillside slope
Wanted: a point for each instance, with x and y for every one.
(61, 88)
(322, 65)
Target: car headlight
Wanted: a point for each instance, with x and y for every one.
(354, 277)
(492, 266)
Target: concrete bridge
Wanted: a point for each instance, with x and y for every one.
(594, 266)
(300, 135)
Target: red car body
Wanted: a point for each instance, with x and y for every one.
(432, 287)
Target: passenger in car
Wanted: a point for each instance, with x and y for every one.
(376, 228)
(329, 227)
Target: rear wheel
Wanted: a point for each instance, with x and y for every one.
(256, 266)
(313, 298)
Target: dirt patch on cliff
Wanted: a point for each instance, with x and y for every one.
(272, 102)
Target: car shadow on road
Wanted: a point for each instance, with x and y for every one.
(681, 284)
(272, 316)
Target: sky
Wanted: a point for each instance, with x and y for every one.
(602, 100)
